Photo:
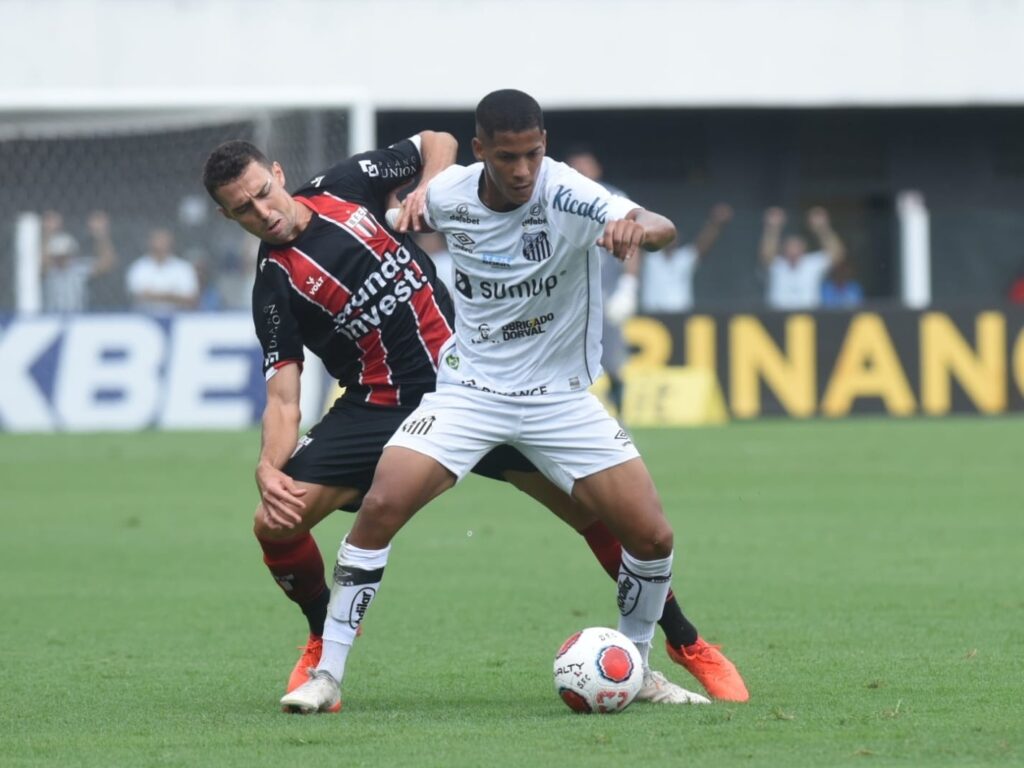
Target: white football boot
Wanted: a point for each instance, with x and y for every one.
(321, 693)
(659, 690)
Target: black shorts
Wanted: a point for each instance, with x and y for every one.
(343, 449)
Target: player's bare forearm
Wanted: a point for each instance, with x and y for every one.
(659, 231)
(281, 417)
(438, 150)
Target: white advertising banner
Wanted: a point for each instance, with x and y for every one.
(123, 372)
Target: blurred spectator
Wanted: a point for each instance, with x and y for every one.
(667, 277)
(840, 289)
(795, 275)
(436, 248)
(159, 281)
(619, 286)
(67, 273)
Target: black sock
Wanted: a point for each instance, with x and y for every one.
(316, 612)
(677, 628)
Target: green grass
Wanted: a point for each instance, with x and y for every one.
(865, 576)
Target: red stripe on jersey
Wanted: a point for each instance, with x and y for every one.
(308, 278)
(320, 287)
(432, 327)
(376, 373)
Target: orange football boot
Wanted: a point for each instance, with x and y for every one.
(712, 669)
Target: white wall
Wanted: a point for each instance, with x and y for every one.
(448, 53)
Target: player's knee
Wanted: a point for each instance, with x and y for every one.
(378, 520)
(264, 532)
(654, 544)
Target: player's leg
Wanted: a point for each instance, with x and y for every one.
(294, 560)
(334, 462)
(624, 497)
(404, 482)
(683, 643)
(435, 446)
(580, 448)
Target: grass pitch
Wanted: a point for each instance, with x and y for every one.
(865, 576)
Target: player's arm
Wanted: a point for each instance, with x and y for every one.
(282, 498)
(818, 222)
(639, 228)
(771, 235)
(438, 151)
(712, 228)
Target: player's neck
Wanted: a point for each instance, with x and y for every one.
(491, 197)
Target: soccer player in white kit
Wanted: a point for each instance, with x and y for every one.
(522, 230)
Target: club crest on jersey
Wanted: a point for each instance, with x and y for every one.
(536, 246)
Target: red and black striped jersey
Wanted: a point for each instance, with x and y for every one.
(364, 299)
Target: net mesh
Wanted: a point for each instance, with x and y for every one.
(142, 170)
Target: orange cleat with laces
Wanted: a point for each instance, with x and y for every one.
(310, 658)
(712, 669)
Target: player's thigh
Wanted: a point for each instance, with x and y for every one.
(538, 487)
(508, 464)
(624, 497)
(343, 448)
(406, 481)
(319, 501)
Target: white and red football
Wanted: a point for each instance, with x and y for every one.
(598, 670)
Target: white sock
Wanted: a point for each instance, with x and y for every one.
(643, 587)
(357, 576)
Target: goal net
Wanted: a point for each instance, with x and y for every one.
(105, 179)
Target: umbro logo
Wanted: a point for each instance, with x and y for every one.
(463, 241)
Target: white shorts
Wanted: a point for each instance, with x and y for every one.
(566, 437)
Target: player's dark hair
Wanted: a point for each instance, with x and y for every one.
(507, 110)
(227, 162)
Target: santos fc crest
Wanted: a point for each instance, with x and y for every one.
(536, 246)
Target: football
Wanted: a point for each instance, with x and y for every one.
(598, 670)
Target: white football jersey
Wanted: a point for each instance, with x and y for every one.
(527, 281)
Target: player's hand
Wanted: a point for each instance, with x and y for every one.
(412, 214)
(282, 498)
(623, 238)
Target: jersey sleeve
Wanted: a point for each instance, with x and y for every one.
(436, 193)
(580, 208)
(370, 176)
(276, 327)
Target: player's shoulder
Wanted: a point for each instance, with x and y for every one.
(454, 180)
(454, 192)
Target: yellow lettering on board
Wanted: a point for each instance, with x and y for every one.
(867, 366)
(700, 343)
(946, 354)
(652, 340)
(753, 356)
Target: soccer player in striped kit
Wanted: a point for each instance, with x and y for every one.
(334, 278)
(518, 350)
